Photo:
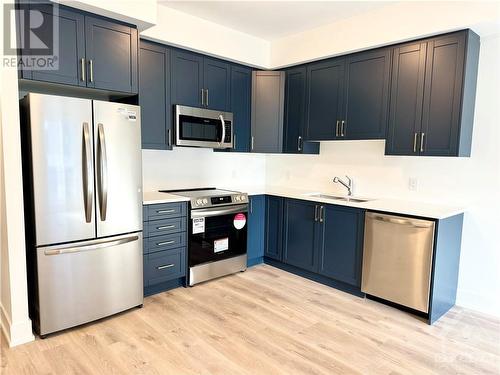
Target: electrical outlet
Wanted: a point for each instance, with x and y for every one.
(413, 184)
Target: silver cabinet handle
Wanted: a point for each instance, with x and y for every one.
(102, 175)
(202, 97)
(299, 143)
(415, 139)
(422, 142)
(342, 128)
(252, 143)
(169, 136)
(166, 227)
(321, 213)
(91, 68)
(88, 173)
(316, 213)
(94, 245)
(165, 243)
(164, 266)
(337, 128)
(223, 124)
(234, 141)
(206, 97)
(82, 67)
(165, 211)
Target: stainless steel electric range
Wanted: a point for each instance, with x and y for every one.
(217, 240)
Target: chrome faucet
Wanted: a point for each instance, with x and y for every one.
(347, 185)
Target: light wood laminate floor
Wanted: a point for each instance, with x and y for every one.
(265, 321)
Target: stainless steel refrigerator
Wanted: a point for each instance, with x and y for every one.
(83, 184)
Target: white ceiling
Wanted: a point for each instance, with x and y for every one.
(273, 19)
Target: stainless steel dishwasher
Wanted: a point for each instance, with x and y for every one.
(397, 259)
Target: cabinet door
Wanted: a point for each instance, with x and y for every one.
(274, 227)
(442, 96)
(295, 95)
(187, 78)
(241, 106)
(325, 81)
(256, 227)
(217, 80)
(71, 56)
(111, 51)
(268, 95)
(300, 234)
(154, 96)
(367, 95)
(340, 245)
(407, 91)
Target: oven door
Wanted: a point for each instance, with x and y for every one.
(197, 127)
(217, 233)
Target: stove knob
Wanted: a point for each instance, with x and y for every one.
(237, 198)
(199, 202)
(205, 201)
(243, 198)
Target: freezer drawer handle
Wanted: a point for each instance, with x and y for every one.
(93, 246)
(165, 266)
(88, 173)
(166, 227)
(165, 243)
(102, 175)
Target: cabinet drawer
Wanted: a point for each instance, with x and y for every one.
(164, 266)
(165, 211)
(165, 242)
(164, 226)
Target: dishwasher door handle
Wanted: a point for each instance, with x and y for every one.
(402, 221)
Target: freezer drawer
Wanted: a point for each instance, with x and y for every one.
(397, 259)
(85, 281)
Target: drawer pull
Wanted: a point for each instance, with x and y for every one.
(165, 243)
(165, 211)
(166, 227)
(165, 266)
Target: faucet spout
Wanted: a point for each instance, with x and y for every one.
(347, 185)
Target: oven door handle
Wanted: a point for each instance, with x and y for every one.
(219, 211)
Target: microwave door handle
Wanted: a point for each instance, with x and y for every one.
(223, 124)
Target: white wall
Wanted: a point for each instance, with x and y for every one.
(183, 30)
(192, 167)
(396, 22)
(473, 182)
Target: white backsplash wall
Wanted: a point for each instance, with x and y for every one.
(187, 167)
(472, 182)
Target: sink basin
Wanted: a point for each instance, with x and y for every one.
(340, 198)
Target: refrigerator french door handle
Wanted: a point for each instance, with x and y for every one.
(95, 245)
(102, 175)
(88, 173)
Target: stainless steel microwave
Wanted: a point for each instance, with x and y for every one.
(198, 127)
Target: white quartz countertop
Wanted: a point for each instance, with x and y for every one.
(389, 205)
(154, 197)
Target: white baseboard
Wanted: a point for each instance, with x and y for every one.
(18, 333)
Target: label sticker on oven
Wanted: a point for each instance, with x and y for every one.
(239, 221)
(221, 245)
(199, 225)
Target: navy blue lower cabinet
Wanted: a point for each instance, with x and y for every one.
(341, 243)
(274, 227)
(256, 229)
(300, 234)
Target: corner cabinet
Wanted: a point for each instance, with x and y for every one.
(93, 52)
(433, 96)
(154, 96)
(241, 107)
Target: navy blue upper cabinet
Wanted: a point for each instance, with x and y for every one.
(274, 227)
(111, 51)
(433, 95)
(341, 242)
(324, 101)
(366, 95)
(300, 234)
(241, 106)
(217, 81)
(187, 78)
(71, 48)
(256, 229)
(295, 114)
(154, 96)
